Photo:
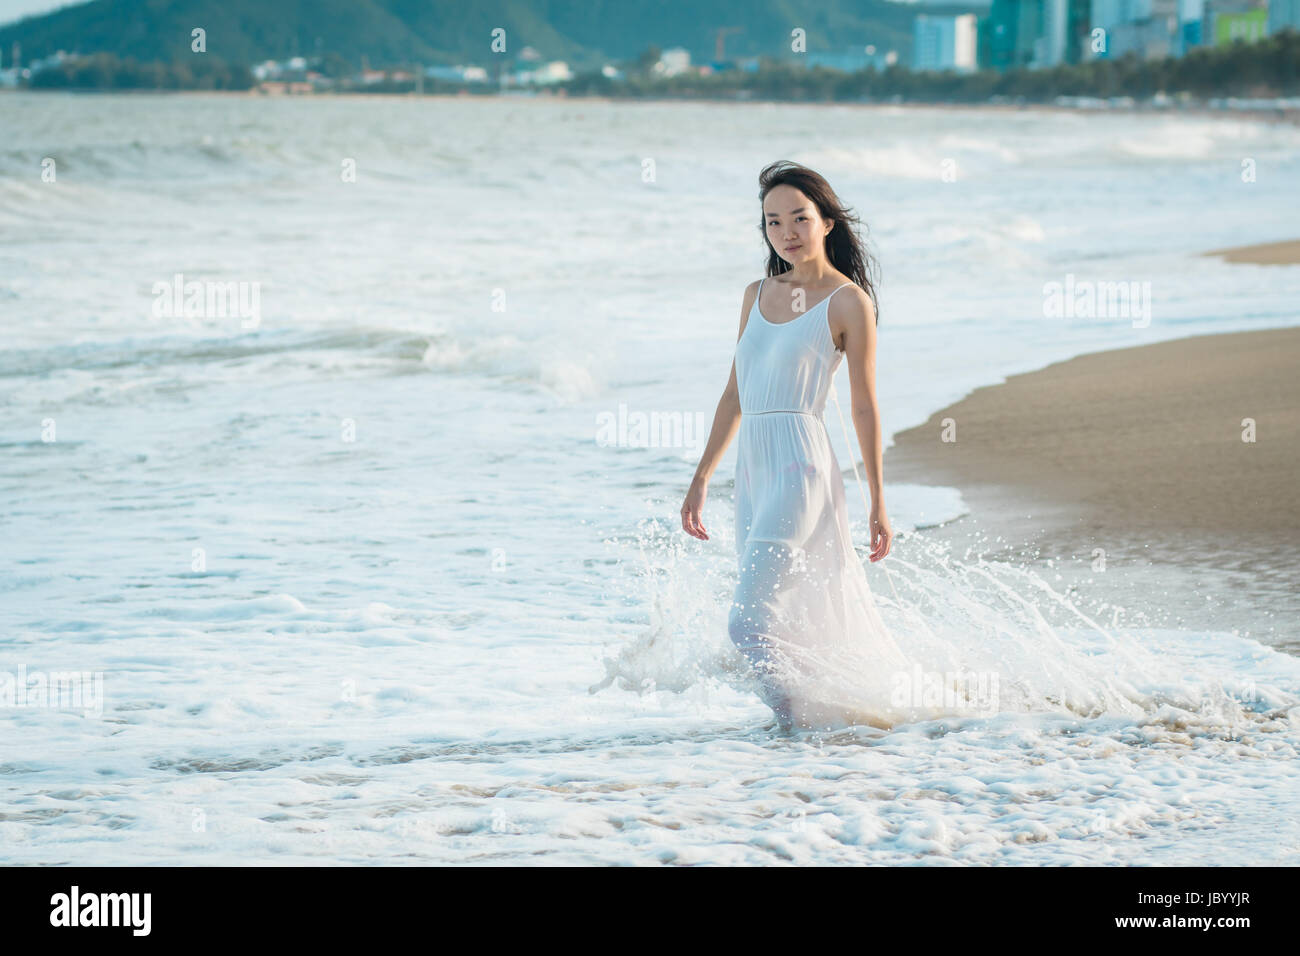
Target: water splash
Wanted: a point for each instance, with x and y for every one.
(1040, 651)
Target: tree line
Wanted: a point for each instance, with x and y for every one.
(1269, 67)
(106, 71)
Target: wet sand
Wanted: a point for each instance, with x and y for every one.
(1266, 254)
(1133, 472)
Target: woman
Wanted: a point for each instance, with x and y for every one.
(803, 614)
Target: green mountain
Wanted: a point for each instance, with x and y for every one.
(585, 33)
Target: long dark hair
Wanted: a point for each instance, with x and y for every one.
(845, 247)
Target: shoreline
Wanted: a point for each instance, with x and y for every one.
(1174, 107)
(1130, 473)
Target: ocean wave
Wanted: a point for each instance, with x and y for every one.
(567, 374)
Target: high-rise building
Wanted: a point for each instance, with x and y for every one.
(1077, 25)
(1154, 33)
(1228, 21)
(998, 41)
(1029, 31)
(1147, 28)
(944, 42)
(1034, 33)
(1283, 14)
(1044, 33)
(1050, 48)
(1191, 20)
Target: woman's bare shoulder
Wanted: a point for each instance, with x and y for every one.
(853, 303)
(747, 305)
(850, 308)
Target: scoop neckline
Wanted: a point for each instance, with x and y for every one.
(759, 309)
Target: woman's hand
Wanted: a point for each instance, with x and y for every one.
(693, 507)
(882, 536)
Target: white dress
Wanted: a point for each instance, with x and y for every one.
(803, 613)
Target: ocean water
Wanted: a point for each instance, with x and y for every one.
(377, 567)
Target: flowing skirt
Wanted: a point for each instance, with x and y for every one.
(803, 613)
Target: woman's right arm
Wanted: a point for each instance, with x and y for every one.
(726, 420)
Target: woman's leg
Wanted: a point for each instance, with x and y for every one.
(755, 623)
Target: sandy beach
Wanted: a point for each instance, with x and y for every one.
(1286, 253)
(1139, 461)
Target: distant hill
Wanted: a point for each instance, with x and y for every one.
(241, 31)
(585, 33)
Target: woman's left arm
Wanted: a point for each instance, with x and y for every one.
(857, 319)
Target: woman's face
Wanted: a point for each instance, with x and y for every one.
(795, 227)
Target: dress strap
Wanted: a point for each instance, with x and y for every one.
(828, 298)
